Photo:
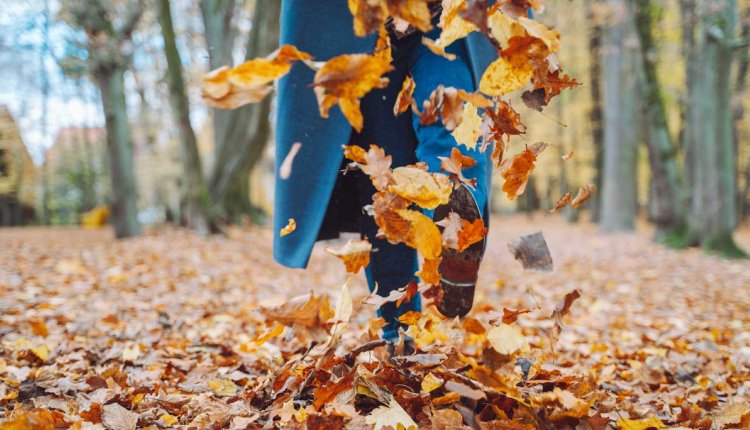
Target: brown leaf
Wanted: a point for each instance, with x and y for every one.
(584, 193)
(455, 164)
(464, 390)
(116, 417)
(561, 202)
(309, 310)
(378, 167)
(563, 308)
(355, 254)
(405, 97)
(517, 174)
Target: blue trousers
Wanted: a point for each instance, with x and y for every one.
(393, 266)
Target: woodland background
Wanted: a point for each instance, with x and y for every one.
(104, 136)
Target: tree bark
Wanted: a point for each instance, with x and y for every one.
(666, 211)
(248, 128)
(619, 190)
(196, 213)
(596, 115)
(709, 128)
(111, 83)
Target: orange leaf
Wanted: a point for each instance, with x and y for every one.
(290, 227)
(584, 193)
(561, 202)
(405, 97)
(355, 254)
(455, 164)
(423, 234)
(517, 174)
(429, 271)
(427, 190)
(471, 233)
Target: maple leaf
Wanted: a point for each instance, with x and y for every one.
(355, 254)
(547, 84)
(405, 97)
(345, 79)
(455, 164)
(427, 190)
(471, 233)
(584, 193)
(291, 225)
(517, 174)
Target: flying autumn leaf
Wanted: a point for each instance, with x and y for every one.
(423, 235)
(436, 49)
(309, 310)
(285, 170)
(377, 166)
(563, 308)
(506, 339)
(405, 97)
(455, 164)
(345, 80)
(561, 203)
(468, 131)
(584, 193)
(517, 173)
(501, 122)
(428, 273)
(291, 225)
(427, 190)
(355, 254)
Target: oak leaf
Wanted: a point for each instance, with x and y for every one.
(517, 173)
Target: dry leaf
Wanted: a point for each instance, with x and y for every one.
(355, 254)
(455, 164)
(223, 387)
(286, 166)
(392, 416)
(405, 97)
(584, 193)
(427, 190)
(561, 202)
(115, 417)
(642, 424)
(290, 227)
(517, 173)
(506, 339)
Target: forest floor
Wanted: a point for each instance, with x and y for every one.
(172, 329)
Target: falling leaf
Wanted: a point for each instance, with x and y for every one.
(309, 310)
(343, 310)
(355, 254)
(561, 202)
(437, 49)
(345, 80)
(378, 167)
(264, 337)
(355, 153)
(506, 75)
(223, 387)
(427, 190)
(517, 174)
(510, 315)
(563, 308)
(460, 234)
(286, 166)
(506, 339)
(290, 227)
(568, 155)
(428, 273)
(368, 15)
(423, 234)
(532, 252)
(392, 416)
(455, 165)
(405, 97)
(467, 133)
(584, 193)
(115, 417)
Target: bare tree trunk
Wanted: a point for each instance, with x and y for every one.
(45, 111)
(248, 128)
(743, 197)
(709, 127)
(195, 194)
(111, 83)
(596, 115)
(619, 190)
(666, 211)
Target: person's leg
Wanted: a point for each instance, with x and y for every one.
(391, 266)
(459, 271)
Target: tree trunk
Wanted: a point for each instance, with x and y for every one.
(111, 83)
(248, 128)
(743, 197)
(597, 129)
(619, 190)
(665, 209)
(709, 130)
(195, 194)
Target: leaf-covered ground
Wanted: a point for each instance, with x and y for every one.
(172, 329)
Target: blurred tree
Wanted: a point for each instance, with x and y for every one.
(242, 134)
(619, 191)
(666, 211)
(109, 52)
(595, 115)
(195, 212)
(711, 37)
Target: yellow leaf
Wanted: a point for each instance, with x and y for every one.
(506, 339)
(454, 27)
(391, 416)
(276, 331)
(505, 75)
(137, 399)
(427, 190)
(169, 420)
(41, 351)
(290, 227)
(343, 311)
(431, 383)
(467, 132)
(423, 235)
(643, 424)
(355, 254)
(223, 387)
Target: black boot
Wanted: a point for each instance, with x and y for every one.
(459, 270)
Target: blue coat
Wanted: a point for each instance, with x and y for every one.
(322, 28)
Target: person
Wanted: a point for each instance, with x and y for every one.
(323, 200)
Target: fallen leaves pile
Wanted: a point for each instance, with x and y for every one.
(171, 329)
